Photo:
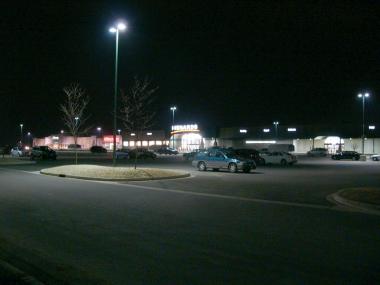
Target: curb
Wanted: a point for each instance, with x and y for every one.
(355, 205)
(117, 180)
(18, 276)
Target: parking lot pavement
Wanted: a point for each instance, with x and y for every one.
(311, 180)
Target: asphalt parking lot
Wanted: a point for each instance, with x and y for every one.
(273, 225)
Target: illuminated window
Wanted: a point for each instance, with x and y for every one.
(132, 143)
(145, 143)
(138, 143)
(167, 142)
(158, 143)
(125, 143)
(151, 143)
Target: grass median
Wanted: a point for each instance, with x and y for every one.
(363, 195)
(14, 161)
(109, 173)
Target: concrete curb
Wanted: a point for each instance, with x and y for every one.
(355, 205)
(18, 276)
(184, 175)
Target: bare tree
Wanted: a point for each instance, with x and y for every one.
(73, 109)
(136, 112)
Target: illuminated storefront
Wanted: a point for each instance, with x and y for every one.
(186, 138)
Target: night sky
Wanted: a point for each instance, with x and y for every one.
(225, 63)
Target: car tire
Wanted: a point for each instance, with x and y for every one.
(202, 166)
(232, 167)
(283, 162)
(246, 169)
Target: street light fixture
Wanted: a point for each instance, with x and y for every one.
(173, 109)
(119, 27)
(363, 97)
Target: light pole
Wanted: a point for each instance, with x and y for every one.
(99, 129)
(276, 128)
(21, 125)
(115, 30)
(372, 128)
(173, 109)
(363, 96)
(29, 136)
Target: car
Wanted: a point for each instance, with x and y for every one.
(6, 149)
(278, 157)
(250, 154)
(17, 152)
(216, 159)
(346, 155)
(167, 150)
(97, 149)
(191, 155)
(122, 153)
(74, 146)
(142, 153)
(375, 157)
(43, 152)
(319, 151)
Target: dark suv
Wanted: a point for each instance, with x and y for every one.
(43, 152)
(249, 154)
(346, 155)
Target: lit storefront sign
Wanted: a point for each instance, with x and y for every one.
(243, 131)
(109, 139)
(292, 129)
(190, 127)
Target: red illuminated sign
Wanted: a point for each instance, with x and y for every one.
(109, 139)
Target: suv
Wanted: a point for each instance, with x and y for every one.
(222, 159)
(346, 155)
(97, 149)
(250, 154)
(43, 152)
(319, 151)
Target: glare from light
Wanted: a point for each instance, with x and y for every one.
(371, 127)
(275, 123)
(148, 134)
(360, 95)
(21, 125)
(266, 130)
(292, 129)
(121, 26)
(173, 108)
(29, 133)
(243, 131)
(62, 131)
(366, 95)
(99, 129)
(133, 134)
(76, 118)
(260, 142)
(334, 140)
(112, 30)
(27, 148)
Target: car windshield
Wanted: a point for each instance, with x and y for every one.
(231, 154)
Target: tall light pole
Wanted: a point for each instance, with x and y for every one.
(99, 129)
(21, 125)
(363, 96)
(115, 30)
(173, 109)
(276, 128)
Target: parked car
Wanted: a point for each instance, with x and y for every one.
(122, 153)
(74, 146)
(346, 155)
(250, 154)
(191, 155)
(6, 149)
(278, 157)
(167, 150)
(319, 151)
(142, 153)
(222, 159)
(17, 152)
(375, 157)
(43, 152)
(97, 149)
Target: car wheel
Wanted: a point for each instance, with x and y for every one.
(232, 167)
(246, 169)
(283, 162)
(202, 166)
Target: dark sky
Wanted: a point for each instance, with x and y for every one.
(222, 63)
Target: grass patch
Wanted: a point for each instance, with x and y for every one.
(365, 195)
(96, 172)
(14, 161)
